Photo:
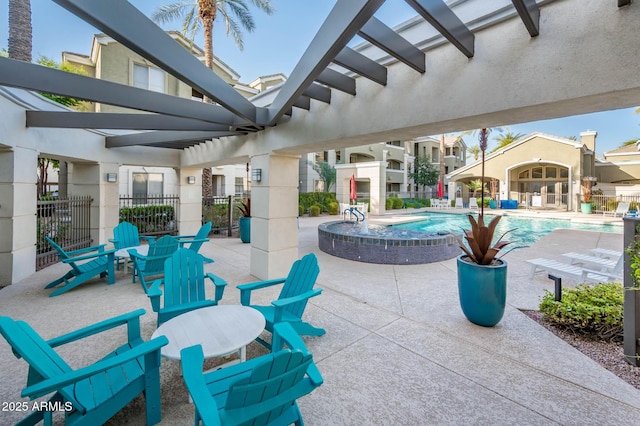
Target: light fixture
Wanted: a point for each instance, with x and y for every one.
(191, 180)
(256, 175)
(112, 177)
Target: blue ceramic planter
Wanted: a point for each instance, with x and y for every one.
(483, 291)
(244, 223)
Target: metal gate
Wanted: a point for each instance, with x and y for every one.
(67, 222)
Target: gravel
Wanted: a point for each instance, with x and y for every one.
(610, 355)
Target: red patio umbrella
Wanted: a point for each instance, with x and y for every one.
(352, 184)
(440, 189)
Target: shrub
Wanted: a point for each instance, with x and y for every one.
(397, 202)
(332, 207)
(307, 199)
(300, 210)
(592, 311)
(388, 203)
(314, 210)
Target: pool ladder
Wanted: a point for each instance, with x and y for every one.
(353, 211)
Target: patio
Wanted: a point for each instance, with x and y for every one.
(397, 350)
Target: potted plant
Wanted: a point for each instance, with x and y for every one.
(585, 206)
(482, 277)
(244, 221)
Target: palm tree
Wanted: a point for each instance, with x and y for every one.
(475, 150)
(505, 139)
(203, 13)
(20, 33)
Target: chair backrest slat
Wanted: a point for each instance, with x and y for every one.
(126, 235)
(302, 277)
(43, 361)
(184, 278)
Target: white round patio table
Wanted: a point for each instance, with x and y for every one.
(221, 330)
(142, 250)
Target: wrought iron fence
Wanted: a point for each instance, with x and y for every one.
(67, 222)
(152, 214)
(222, 213)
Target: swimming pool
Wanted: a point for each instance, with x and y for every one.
(524, 230)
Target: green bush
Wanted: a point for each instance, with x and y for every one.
(592, 311)
(322, 199)
(388, 203)
(300, 210)
(397, 203)
(314, 210)
(332, 207)
(150, 219)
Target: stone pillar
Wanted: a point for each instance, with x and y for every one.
(274, 211)
(17, 214)
(90, 179)
(189, 214)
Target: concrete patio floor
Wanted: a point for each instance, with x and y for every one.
(398, 349)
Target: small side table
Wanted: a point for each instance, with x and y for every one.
(221, 330)
(124, 254)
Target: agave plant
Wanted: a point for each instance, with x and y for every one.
(245, 208)
(479, 239)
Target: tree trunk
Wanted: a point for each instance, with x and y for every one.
(20, 33)
(207, 10)
(207, 183)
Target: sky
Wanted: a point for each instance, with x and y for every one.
(277, 44)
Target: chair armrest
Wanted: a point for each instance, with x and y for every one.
(184, 236)
(154, 292)
(219, 284)
(58, 382)
(246, 289)
(280, 303)
(108, 253)
(132, 319)
(585, 272)
(87, 249)
(198, 240)
(196, 386)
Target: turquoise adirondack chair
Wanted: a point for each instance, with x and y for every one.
(153, 263)
(125, 234)
(99, 262)
(196, 241)
(295, 293)
(96, 392)
(260, 391)
(184, 286)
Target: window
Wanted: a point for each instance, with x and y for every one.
(148, 78)
(239, 186)
(536, 173)
(550, 172)
(145, 185)
(524, 174)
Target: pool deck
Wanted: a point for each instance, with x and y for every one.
(398, 349)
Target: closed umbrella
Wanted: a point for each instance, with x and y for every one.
(353, 195)
(440, 189)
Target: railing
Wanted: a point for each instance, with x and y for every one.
(152, 214)
(608, 203)
(222, 212)
(65, 221)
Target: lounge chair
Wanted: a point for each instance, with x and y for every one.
(126, 235)
(608, 265)
(184, 286)
(94, 393)
(473, 203)
(260, 391)
(621, 209)
(459, 203)
(296, 292)
(578, 273)
(196, 241)
(85, 264)
(606, 253)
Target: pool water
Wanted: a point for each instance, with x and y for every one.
(522, 231)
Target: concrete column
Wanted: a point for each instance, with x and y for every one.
(17, 214)
(90, 179)
(274, 211)
(189, 214)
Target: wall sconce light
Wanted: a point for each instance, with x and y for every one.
(112, 177)
(256, 175)
(191, 180)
